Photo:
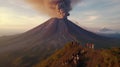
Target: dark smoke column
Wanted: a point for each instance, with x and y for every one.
(54, 8)
(63, 7)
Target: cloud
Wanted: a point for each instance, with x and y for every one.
(92, 18)
(89, 19)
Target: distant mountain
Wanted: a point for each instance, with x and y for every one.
(40, 42)
(108, 33)
(112, 35)
(75, 55)
(105, 30)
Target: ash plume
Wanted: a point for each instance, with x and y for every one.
(54, 8)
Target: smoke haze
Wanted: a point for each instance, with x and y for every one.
(54, 8)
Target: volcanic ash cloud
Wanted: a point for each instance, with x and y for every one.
(54, 8)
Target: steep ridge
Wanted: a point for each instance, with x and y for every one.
(75, 55)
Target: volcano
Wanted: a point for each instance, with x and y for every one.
(42, 41)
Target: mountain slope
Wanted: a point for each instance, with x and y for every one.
(42, 41)
(74, 55)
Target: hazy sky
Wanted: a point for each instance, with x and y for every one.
(16, 16)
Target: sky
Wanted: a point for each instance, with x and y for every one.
(17, 16)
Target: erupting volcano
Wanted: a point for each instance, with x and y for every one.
(40, 42)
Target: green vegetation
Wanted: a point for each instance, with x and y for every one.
(89, 58)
